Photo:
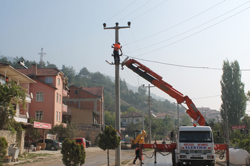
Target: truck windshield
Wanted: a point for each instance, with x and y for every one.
(195, 136)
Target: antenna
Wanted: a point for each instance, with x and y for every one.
(41, 58)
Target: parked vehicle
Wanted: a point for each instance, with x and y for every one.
(80, 141)
(50, 144)
(88, 143)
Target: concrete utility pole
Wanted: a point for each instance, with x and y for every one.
(149, 110)
(117, 92)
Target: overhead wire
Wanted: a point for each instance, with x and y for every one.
(135, 10)
(194, 33)
(184, 66)
(181, 22)
(121, 10)
(148, 10)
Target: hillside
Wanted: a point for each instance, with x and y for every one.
(84, 78)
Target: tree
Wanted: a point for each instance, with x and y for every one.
(10, 92)
(3, 147)
(109, 118)
(73, 154)
(233, 95)
(108, 140)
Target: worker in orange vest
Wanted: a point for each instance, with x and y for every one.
(117, 47)
(137, 154)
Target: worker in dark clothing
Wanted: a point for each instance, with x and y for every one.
(117, 47)
(137, 154)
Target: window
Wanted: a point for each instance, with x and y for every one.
(59, 98)
(2, 80)
(76, 92)
(56, 116)
(124, 120)
(48, 79)
(39, 96)
(58, 81)
(59, 116)
(137, 120)
(39, 115)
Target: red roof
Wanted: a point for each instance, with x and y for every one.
(98, 91)
(41, 72)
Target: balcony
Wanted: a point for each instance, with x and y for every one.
(21, 118)
(64, 108)
(28, 98)
(64, 93)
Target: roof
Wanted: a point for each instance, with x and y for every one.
(41, 72)
(161, 115)
(14, 74)
(197, 128)
(132, 114)
(98, 91)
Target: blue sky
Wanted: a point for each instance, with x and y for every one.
(181, 32)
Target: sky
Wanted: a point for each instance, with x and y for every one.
(184, 41)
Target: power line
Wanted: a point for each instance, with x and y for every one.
(195, 32)
(180, 22)
(184, 66)
(148, 10)
(134, 10)
(121, 10)
(196, 28)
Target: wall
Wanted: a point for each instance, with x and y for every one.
(81, 116)
(16, 138)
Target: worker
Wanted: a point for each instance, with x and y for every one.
(117, 47)
(155, 142)
(137, 154)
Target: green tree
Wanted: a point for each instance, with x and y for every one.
(73, 154)
(233, 95)
(10, 92)
(3, 148)
(109, 118)
(108, 139)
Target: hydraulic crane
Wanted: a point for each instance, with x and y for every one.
(156, 80)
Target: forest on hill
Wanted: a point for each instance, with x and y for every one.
(85, 78)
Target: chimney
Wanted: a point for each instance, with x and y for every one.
(34, 69)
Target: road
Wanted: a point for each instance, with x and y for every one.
(97, 157)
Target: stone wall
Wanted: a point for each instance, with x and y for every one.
(15, 138)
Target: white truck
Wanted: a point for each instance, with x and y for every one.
(195, 146)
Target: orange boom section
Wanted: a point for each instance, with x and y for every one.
(156, 80)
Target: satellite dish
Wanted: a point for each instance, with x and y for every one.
(31, 95)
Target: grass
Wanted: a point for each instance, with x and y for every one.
(125, 161)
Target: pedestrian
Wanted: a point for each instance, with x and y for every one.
(155, 142)
(117, 47)
(137, 154)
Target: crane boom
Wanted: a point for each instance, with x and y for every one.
(156, 80)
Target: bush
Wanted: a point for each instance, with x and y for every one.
(73, 154)
(3, 147)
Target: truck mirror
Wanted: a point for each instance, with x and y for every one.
(172, 135)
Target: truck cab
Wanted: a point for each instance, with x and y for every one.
(195, 146)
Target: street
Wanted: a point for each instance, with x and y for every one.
(97, 157)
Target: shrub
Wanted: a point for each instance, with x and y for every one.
(73, 154)
(3, 147)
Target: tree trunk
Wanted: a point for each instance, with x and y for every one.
(108, 156)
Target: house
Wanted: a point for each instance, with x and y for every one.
(48, 92)
(131, 117)
(8, 73)
(86, 108)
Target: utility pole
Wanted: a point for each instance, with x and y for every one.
(117, 92)
(41, 58)
(149, 110)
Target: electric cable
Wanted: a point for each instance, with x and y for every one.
(176, 25)
(192, 30)
(121, 10)
(135, 10)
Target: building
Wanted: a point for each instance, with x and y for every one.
(86, 108)
(8, 73)
(48, 92)
(131, 117)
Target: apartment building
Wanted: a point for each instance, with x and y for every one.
(8, 73)
(48, 92)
